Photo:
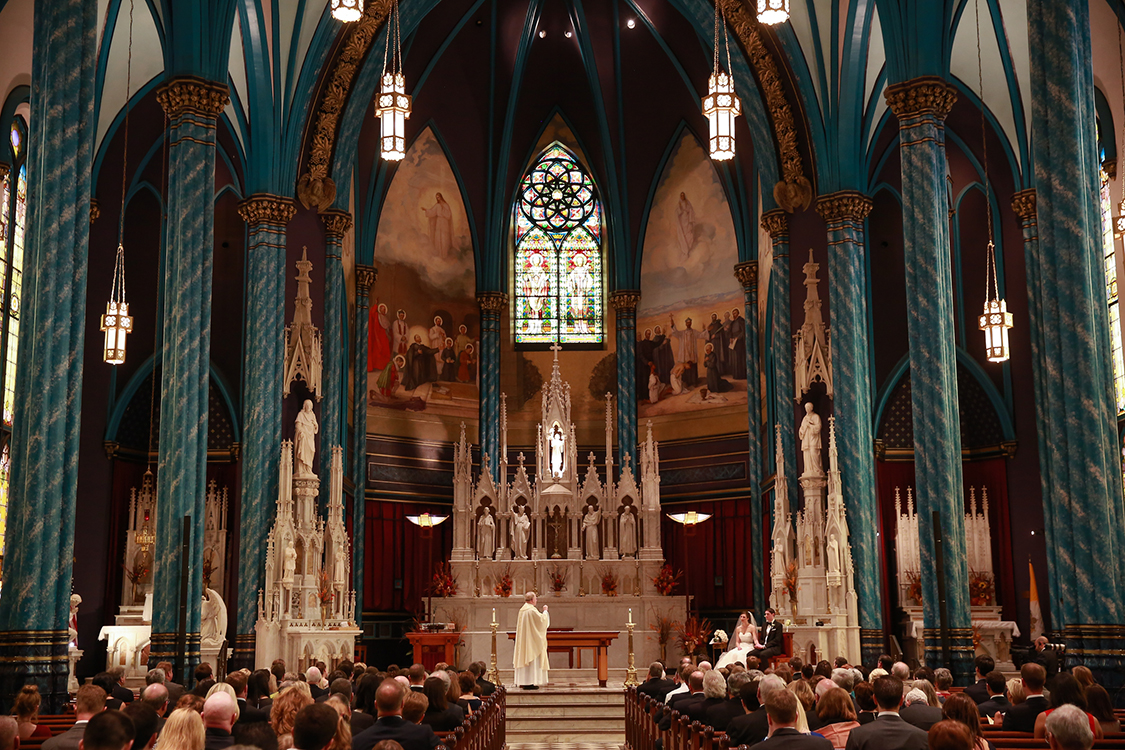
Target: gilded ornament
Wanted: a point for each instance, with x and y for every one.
(95, 210)
(262, 208)
(365, 277)
(1024, 204)
(336, 223)
(846, 205)
(492, 301)
(747, 275)
(927, 95)
(776, 223)
(625, 300)
(189, 94)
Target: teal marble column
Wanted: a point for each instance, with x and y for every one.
(624, 303)
(34, 609)
(336, 225)
(921, 106)
(779, 372)
(747, 275)
(266, 217)
(192, 106)
(492, 305)
(844, 214)
(1082, 505)
(365, 278)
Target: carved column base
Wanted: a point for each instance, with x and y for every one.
(35, 657)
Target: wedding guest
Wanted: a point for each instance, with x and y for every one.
(220, 712)
(156, 696)
(1065, 690)
(183, 731)
(145, 724)
(754, 726)
(888, 731)
(1016, 694)
(470, 693)
(1067, 729)
(960, 707)
(917, 710)
(27, 714)
(441, 716)
(479, 668)
(318, 727)
(391, 725)
(109, 730)
(1022, 717)
(88, 703)
(417, 676)
(656, 686)
(414, 707)
(782, 708)
(864, 702)
(8, 733)
(837, 717)
(950, 735)
(997, 702)
(720, 715)
(285, 709)
(1084, 676)
(1101, 708)
(979, 691)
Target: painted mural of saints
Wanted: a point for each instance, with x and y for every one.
(440, 217)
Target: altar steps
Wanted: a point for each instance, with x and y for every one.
(558, 714)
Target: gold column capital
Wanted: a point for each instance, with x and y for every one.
(625, 300)
(336, 222)
(365, 277)
(492, 301)
(262, 208)
(95, 209)
(189, 94)
(926, 95)
(1024, 203)
(776, 222)
(747, 275)
(845, 205)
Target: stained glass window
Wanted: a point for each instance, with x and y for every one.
(12, 300)
(1109, 264)
(558, 255)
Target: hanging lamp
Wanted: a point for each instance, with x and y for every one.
(721, 105)
(392, 105)
(117, 324)
(347, 10)
(995, 320)
(772, 12)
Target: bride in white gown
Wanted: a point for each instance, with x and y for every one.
(742, 641)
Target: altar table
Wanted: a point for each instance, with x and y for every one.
(431, 648)
(596, 640)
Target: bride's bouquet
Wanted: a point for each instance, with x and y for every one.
(720, 636)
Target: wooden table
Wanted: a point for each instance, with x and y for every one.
(431, 648)
(596, 640)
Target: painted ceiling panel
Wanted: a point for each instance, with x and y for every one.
(287, 16)
(1015, 28)
(876, 58)
(103, 9)
(824, 26)
(963, 65)
(237, 71)
(800, 19)
(148, 62)
(313, 11)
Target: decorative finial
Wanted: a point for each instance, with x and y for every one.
(556, 349)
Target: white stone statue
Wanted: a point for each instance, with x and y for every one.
(833, 555)
(486, 535)
(808, 550)
(72, 623)
(212, 619)
(558, 446)
(305, 439)
(339, 569)
(590, 523)
(290, 563)
(521, 528)
(810, 442)
(628, 527)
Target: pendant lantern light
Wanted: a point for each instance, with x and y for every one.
(773, 12)
(995, 320)
(721, 105)
(392, 105)
(117, 324)
(347, 10)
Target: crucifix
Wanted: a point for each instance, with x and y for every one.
(556, 349)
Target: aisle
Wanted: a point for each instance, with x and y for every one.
(569, 713)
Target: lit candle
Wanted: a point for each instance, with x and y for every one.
(494, 614)
(630, 616)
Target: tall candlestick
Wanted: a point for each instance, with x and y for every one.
(630, 615)
(494, 614)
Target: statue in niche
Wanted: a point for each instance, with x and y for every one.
(305, 439)
(339, 569)
(521, 528)
(628, 531)
(558, 445)
(590, 524)
(555, 534)
(833, 555)
(212, 619)
(486, 535)
(72, 623)
(810, 441)
(290, 563)
(808, 550)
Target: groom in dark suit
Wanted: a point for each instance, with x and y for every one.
(771, 639)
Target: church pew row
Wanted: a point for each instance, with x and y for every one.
(484, 730)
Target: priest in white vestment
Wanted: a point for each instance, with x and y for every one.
(531, 644)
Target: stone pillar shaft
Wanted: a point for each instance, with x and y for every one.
(336, 224)
(1081, 460)
(266, 217)
(492, 305)
(192, 106)
(844, 214)
(37, 566)
(365, 278)
(624, 303)
(921, 106)
(780, 365)
(747, 274)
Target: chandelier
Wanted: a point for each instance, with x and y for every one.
(117, 324)
(773, 12)
(392, 105)
(721, 105)
(995, 320)
(347, 10)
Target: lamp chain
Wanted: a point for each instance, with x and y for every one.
(125, 152)
(716, 55)
(1121, 68)
(990, 279)
(726, 43)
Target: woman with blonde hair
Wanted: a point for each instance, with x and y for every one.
(806, 698)
(1016, 693)
(27, 714)
(183, 731)
(285, 709)
(222, 687)
(343, 738)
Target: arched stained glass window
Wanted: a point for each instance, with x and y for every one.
(1109, 264)
(558, 254)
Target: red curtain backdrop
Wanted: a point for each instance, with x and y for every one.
(717, 548)
(397, 552)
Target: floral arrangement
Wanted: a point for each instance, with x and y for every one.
(981, 587)
(666, 580)
(914, 587)
(692, 634)
(609, 583)
(791, 579)
(503, 585)
(444, 584)
(135, 574)
(558, 575)
(662, 625)
(324, 591)
(977, 637)
(720, 636)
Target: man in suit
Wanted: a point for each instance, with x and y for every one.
(155, 696)
(391, 726)
(88, 703)
(681, 679)
(417, 676)
(120, 692)
(720, 715)
(313, 677)
(917, 712)
(109, 730)
(714, 695)
(681, 702)
(175, 690)
(781, 717)
(479, 669)
(656, 686)
(314, 726)
(1047, 658)
(997, 695)
(771, 639)
(105, 681)
(888, 731)
(246, 713)
(754, 726)
(1021, 717)
(220, 712)
(144, 720)
(979, 692)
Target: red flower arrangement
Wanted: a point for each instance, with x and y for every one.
(666, 580)
(324, 591)
(980, 588)
(503, 585)
(609, 583)
(914, 587)
(791, 579)
(444, 584)
(692, 634)
(557, 575)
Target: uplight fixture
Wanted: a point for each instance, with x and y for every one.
(347, 10)
(773, 12)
